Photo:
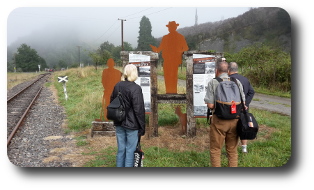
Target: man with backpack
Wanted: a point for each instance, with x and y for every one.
(223, 98)
(248, 92)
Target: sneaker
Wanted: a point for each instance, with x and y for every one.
(244, 150)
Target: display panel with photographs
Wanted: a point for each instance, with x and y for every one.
(142, 62)
(203, 72)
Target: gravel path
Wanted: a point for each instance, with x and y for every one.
(272, 103)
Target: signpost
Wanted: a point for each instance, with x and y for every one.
(64, 80)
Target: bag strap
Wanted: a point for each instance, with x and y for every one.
(218, 79)
(121, 99)
(139, 142)
(120, 96)
(243, 107)
(235, 81)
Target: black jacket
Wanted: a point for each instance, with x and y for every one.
(134, 105)
(247, 88)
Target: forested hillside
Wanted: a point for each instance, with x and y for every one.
(271, 26)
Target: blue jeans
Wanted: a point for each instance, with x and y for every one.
(127, 141)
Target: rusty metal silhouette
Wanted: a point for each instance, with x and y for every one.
(110, 77)
(172, 46)
(182, 119)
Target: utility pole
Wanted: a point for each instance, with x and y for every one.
(79, 54)
(122, 49)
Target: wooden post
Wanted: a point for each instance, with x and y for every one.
(153, 117)
(191, 129)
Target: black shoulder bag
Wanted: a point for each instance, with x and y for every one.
(247, 126)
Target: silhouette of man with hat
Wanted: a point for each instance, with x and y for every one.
(172, 46)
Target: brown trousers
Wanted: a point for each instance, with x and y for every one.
(223, 131)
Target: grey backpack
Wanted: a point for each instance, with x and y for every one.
(228, 100)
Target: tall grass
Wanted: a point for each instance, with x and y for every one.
(85, 92)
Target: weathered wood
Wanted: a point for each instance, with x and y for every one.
(104, 128)
(187, 54)
(191, 129)
(153, 124)
(171, 98)
(125, 55)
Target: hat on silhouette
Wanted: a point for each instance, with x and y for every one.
(172, 23)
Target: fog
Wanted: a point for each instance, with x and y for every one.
(97, 25)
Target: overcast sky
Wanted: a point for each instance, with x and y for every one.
(96, 25)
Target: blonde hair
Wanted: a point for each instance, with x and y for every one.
(129, 73)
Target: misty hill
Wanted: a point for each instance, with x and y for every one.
(271, 26)
(56, 43)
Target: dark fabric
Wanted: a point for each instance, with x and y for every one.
(134, 105)
(243, 129)
(247, 88)
(116, 109)
(138, 154)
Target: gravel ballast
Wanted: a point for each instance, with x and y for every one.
(41, 141)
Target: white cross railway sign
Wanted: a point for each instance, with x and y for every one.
(63, 79)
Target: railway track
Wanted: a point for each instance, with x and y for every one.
(20, 103)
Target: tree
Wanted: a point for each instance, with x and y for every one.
(28, 60)
(116, 52)
(145, 37)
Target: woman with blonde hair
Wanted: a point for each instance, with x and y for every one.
(129, 130)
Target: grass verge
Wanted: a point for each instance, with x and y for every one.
(170, 149)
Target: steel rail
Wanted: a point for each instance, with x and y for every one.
(26, 87)
(22, 118)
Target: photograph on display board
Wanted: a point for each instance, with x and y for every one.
(142, 62)
(203, 72)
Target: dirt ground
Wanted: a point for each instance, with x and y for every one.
(170, 137)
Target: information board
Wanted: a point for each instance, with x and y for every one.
(142, 62)
(203, 72)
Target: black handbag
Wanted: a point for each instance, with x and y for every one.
(247, 126)
(116, 109)
(138, 155)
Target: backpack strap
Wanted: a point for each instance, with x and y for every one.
(218, 79)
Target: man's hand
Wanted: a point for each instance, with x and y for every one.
(154, 48)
